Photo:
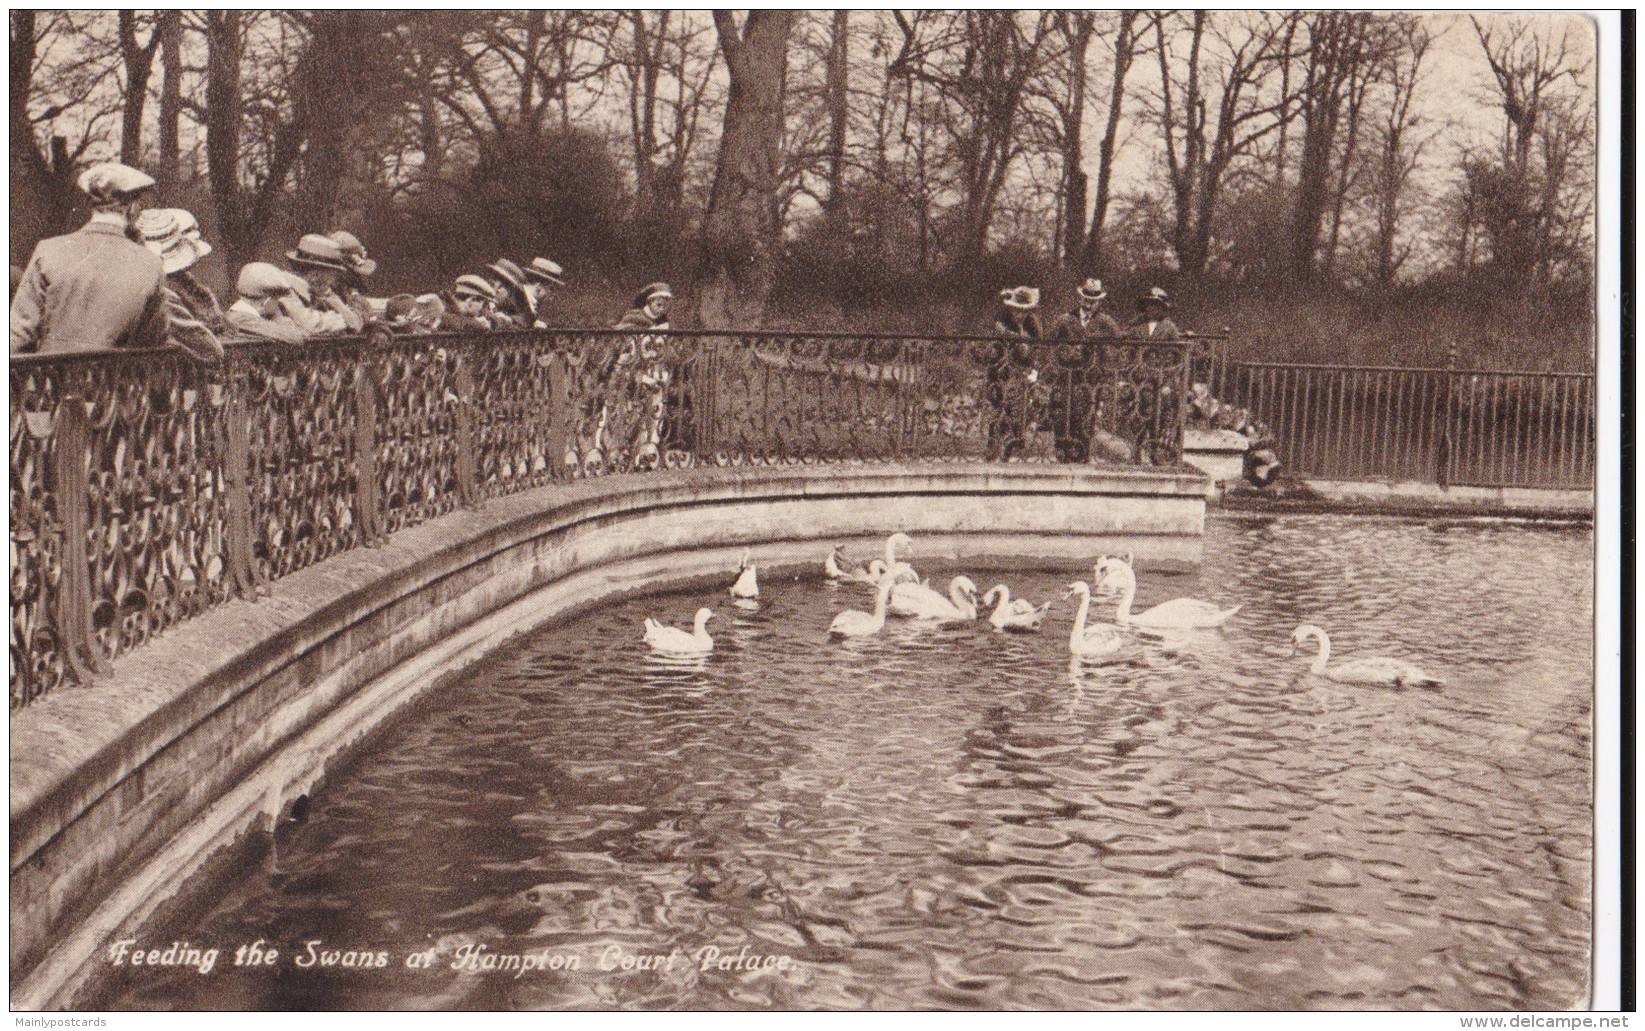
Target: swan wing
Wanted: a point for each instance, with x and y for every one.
(1382, 670)
(747, 585)
(1100, 639)
(918, 600)
(1185, 613)
(852, 624)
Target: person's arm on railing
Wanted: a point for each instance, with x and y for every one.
(26, 307)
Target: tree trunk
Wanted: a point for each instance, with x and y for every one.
(223, 117)
(741, 230)
(43, 197)
(838, 88)
(169, 29)
(139, 64)
(1125, 40)
(1074, 179)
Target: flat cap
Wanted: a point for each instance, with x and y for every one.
(111, 180)
(260, 279)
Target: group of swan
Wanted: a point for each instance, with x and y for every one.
(899, 591)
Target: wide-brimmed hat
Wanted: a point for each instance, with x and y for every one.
(1091, 290)
(1155, 295)
(1022, 297)
(318, 251)
(651, 292)
(474, 286)
(508, 272)
(543, 270)
(354, 253)
(162, 232)
(260, 279)
(111, 180)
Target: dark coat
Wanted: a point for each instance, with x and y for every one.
(1100, 325)
(1164, 329)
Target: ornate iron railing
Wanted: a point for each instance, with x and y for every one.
(146, 488)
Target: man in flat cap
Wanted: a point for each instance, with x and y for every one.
(94, 289)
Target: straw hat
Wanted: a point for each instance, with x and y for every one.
(1091, 290)
(162, 232)
(474, 286)
(354, 253)
(545, 271)
(318, 251)
(1022, 298)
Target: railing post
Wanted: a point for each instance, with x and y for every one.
(1442, 471)
(467, 491)
(237, 534)
(559, 415)
(70, 447)
(367, 501)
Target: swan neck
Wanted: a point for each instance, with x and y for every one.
(1078, 633)
(1128, 594)
(1324, 655)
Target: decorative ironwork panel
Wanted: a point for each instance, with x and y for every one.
(416, 437)
(515, 406)
(38, 663)
(300, 409)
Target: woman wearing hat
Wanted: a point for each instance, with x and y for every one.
(320, 261)
(1011, 379)
(540, 275)
(194, 318)
(1078, 372)
(655, 395)
(1152, 322)
(515, 306)
(361, 267)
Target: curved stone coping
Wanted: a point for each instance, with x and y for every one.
(152, 764)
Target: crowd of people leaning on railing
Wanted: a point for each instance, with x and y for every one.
(125, 280)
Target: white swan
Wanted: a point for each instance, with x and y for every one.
(1372, 669)
(891, 544)
(748, 584)
(1178, 614)
(1013, 613)
(921, 602)
(861, 624)
(1097, 639)
(674, 641)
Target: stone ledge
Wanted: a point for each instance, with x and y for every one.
(125, 768)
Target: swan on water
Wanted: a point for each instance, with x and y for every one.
(892, 543)
(747, 585)
(674, 641)
(1371, 669)
(1098, 638)
(834, 566)
(921, 602)
(1116, 574)
(852, 623)
(1013, 613)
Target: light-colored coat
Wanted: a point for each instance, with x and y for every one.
(91, 290)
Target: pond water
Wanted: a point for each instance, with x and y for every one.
(952, 817)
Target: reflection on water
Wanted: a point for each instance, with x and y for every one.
(953, 817)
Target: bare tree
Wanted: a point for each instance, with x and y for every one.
(1222, 71)
(1127, 38)
(741, 229)
(1399, 149)
(137, 59)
